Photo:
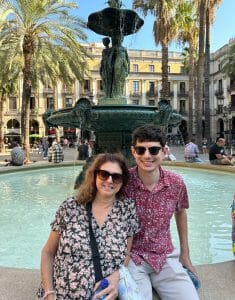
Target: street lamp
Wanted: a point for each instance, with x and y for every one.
(227, 119)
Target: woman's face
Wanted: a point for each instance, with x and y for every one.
(109, 179)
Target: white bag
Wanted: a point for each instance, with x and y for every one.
(127, 287)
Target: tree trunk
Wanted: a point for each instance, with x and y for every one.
(164, 93)
(27, 84)
(207, 78)
(200, 75)
(191, 93)
(2, 109)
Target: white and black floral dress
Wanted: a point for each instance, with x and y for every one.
(74, 276)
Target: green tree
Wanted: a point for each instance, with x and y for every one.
(9, 74)
(210, 14)
(228, 63)
(187, 21)
(47, 35)
(164, 29)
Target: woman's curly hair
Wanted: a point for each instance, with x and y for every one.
(87, 190)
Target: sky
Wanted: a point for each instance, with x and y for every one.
(221, 31)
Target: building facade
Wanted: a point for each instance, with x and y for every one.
(142, 87)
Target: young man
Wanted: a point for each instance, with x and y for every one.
(217, 155)
(159, 195)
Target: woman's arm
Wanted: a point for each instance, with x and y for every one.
(47, 260)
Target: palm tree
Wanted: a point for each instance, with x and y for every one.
(210, 13)
(47, 35)
(164, 29)
(187, 21)
(200, 70)
(9, 74)
(228, 63)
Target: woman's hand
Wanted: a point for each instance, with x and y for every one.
(111, 291)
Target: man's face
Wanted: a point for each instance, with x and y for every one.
(148, 155)
(221, 142)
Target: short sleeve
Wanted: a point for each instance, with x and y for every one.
(59, 222)
(183, 201)
(131, 217)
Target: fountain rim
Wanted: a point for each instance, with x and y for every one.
(180, 164)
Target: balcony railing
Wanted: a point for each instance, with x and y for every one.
(219, 94)
(151, 94)
(182, 94)
(11, 112)
(47, 90)
(135, 94)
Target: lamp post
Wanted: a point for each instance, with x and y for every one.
(227, 120)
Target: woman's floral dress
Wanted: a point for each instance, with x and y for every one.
(74, 276)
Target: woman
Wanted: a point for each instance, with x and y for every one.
(67, 268)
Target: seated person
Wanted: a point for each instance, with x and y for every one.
(191, 152)
(217, 155)
(17, 155)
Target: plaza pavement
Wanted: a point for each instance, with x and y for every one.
(21, 284)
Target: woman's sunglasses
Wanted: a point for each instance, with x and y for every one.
(152, 150)
(104, 175)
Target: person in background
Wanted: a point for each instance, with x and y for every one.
(17, 155)
(83, 151)
(191, 152)
(55, 153)
(67, 269)
(204, 146)
(159, 195)
(217, 155)
(169, 156)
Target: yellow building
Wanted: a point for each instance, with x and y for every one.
(143, 86)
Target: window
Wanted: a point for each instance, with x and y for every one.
(32, 102)
(50, 103)
(182, 87)
(220, 86)
(87, 85)
(135, 68)
(169, 69)
(169, 88)
(182, 106)
(135, 101)
(99, 85)
(151, 68)
(68, 102)
(12, 102)
(152, 102)
(151, 87)
(135, 86)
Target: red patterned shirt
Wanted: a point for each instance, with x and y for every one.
(155, 209)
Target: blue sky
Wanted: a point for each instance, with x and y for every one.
(221, 31)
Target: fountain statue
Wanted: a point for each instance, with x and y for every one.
(113, 120)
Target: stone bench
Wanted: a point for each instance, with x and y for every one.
(217, 282)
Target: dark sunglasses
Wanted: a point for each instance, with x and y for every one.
(104, 175)
(152, 150)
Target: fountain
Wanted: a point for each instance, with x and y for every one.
(113, 120)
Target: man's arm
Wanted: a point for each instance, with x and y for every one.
(182, 228)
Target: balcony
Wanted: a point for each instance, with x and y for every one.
(48, 90)
(135, 95)
(12, 112)
(219, 94)
(34, 111)
(151, 94)
(182, 94)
